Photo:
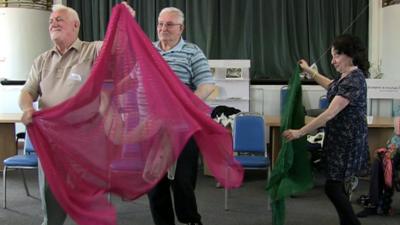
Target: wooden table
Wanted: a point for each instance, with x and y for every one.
(379, 131)
(7, 135)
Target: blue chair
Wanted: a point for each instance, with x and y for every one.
(283, 96)
(323, 102)
(249, 143)
(26, 161)
(20, 135)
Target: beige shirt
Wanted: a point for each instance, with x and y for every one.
(54, 77)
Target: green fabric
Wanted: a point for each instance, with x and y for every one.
(292, 170)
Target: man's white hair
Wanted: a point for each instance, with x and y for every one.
(71, 12)
(178, 12)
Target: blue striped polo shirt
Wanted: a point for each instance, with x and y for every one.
(188, 62)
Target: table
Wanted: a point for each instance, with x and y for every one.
(379, 131)
(7, 135)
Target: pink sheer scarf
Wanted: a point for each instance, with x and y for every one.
(124, 128)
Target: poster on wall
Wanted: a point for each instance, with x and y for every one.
(390, 2)
(383, 89)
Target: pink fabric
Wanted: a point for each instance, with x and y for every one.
(124, 128)
(387, 166)
(396, 123)
(387, 163)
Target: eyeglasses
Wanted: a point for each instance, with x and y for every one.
(57, 19)
(168, 25)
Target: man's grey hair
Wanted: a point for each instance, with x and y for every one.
(71, 12)
(178, 12)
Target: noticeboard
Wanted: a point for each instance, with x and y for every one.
(383, 89)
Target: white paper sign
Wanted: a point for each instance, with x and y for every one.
(383, 89)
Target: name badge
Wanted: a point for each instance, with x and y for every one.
(75, 76)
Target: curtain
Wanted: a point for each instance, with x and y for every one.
(273, 34)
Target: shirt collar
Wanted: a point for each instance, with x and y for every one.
(77, 45)
(177, 47)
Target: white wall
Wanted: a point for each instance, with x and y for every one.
(384, 33)
(390, 42)
(23, 36)
(384, 50)
(9, 99)
(9, 102)
(265, 99)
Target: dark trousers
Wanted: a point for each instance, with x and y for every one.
(182, 186)
(335, 191)
(377, 179)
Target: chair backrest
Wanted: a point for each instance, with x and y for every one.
(28, 147)
(323, 102)
(249, 133)
(283, 95)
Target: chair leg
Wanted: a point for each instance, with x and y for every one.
(25, 185)
(226, 190)
(226, 199)
(268, 197)
(4, 186)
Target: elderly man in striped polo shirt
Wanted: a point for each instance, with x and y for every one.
(191, 66)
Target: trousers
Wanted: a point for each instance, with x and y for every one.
(53, 213)
(182, 187)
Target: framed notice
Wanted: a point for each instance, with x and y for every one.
(390, 2)
(212, 69)
(383, 89)
(234, 73)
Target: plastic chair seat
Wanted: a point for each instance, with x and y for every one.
(248, 135)
(26, 161)
(323, 102)
(253, 161)
(21, 161)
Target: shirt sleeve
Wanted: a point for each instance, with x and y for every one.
(98, 46)
(32, 84)
(350, 88)
(201, 69)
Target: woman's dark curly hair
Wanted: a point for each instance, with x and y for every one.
(351, 46)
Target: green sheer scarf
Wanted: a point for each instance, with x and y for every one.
(292, 170)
